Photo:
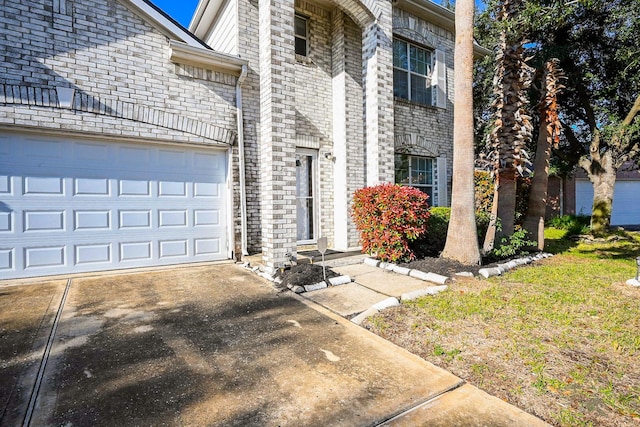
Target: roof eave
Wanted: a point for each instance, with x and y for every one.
(184, 53)
(165, 23)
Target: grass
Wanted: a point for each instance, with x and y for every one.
(560, 339)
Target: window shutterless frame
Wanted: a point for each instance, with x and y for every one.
(412, 71)
(301, 34)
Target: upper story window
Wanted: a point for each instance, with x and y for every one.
(412, 69)
(301, 33)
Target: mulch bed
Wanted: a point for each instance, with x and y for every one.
(442, 266)
(309, 274)
(304, 274)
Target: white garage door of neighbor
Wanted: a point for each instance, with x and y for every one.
(626, 201)
(70, 205)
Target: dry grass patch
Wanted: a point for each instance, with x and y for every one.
(560, 339)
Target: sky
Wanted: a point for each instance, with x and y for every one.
(180, 10)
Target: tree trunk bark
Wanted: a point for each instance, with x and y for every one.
(534, 221)
(462, 235)
(507, 192)
(603, 186)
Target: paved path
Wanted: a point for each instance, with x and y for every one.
(217, 345)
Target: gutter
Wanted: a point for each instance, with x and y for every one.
(241, 166)
(210, 59)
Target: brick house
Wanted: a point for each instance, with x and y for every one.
(127, 140)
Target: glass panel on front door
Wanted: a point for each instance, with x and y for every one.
(305, 193)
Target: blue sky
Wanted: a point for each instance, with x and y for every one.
(180, 10)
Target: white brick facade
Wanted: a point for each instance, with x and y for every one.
(133, 79)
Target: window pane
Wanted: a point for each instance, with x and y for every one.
(421, 171)
(420, 90)
(401, 83)
(400, 54)
(301, 46)
(300, 26)
(402, 169)
(420, 60)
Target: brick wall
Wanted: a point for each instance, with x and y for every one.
(119, 66)
(433, 124)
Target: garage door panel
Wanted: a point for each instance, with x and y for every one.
(172, 218)
(44, 256)
(5, 184)
(93, 254)
(39, 185)
(133, 251)
(84, 213)
(6, 221)
(131, 187)
(173, 248)
(172, 189)
(91, 187)
(92, 220)
(208, 246)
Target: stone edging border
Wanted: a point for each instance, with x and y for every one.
(435, 278)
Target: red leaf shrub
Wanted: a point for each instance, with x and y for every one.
(389, 217)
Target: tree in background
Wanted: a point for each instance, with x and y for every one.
(462, 244)
(548, 137)
(596, 42)
(511, 128)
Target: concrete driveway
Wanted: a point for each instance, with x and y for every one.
(210, 345)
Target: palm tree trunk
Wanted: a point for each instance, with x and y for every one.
(462, 241)
(548, 136)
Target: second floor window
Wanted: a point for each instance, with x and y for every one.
(301, 34)
(412, 66)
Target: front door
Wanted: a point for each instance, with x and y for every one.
(306, 199)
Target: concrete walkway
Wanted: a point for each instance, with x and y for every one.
(371, 285)
(215, 345)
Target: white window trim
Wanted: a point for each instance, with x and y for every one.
(428, 77)
(433, 185)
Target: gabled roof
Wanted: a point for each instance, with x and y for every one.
(166, 23)
(186, 47)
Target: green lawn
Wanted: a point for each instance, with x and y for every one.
(560, 339)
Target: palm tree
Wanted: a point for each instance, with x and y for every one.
(512, 126)
(549, 135)
(462, 241)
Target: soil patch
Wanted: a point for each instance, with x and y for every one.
(304, 274)
(444, 266)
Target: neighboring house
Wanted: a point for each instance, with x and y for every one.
(125, 141)
(574, 196)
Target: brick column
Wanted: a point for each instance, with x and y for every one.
(377, 59)
(277, 131)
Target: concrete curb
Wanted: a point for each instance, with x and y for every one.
(417, 274)
(410, 296)
(501, 268)
(633, 282)
(375, 309)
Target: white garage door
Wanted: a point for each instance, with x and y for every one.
(626, 201)
(69, 205)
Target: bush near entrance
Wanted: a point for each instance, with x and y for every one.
(389, 217)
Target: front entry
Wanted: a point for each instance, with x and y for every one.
(306, 199)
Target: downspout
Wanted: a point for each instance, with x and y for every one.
(243, 195)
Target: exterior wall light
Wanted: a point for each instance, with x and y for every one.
(329, 156)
